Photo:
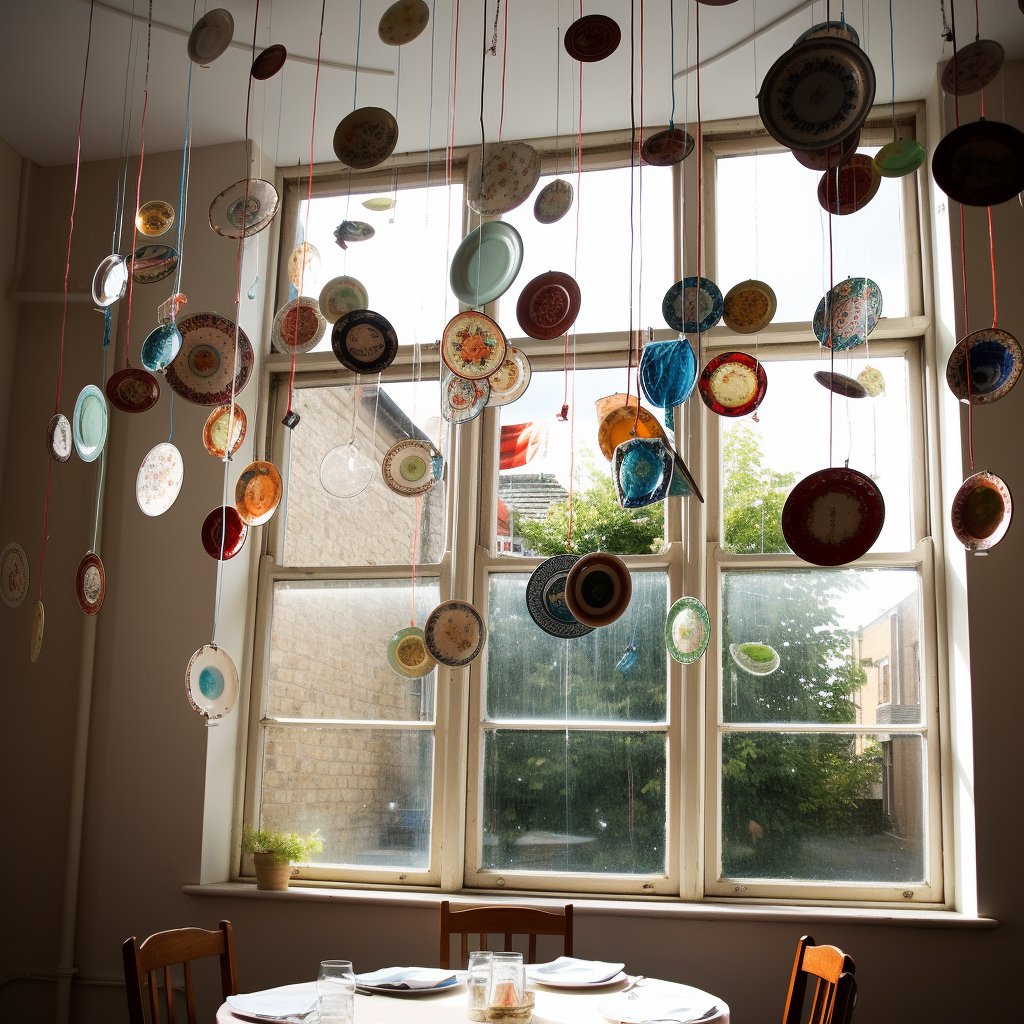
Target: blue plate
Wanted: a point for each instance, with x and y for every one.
(89, 424)
(995, 359)
(642, 469)
(683, 484)
(161, 347)
(856, 305)
(700, 311)
(545, 598)
(668, 372)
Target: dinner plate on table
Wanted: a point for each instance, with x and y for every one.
(409, 981)
(285, 1003)
(570, 972)
(653, 1007)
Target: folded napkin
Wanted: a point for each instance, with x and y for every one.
(567, 969)
(407, 978)
(287, 1003)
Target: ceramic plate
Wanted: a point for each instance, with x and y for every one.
(14, 574)
(511, 171)
(159, 479)
(900, 157)
(35, 642)
(345, 471)
(366, 137)
(403, 22)
(473, 345)
(667, 372)
(570, 985)
(364, 341)
(833, 516)
(59, 439)
(982, 511)
(872, 381)
(378, 204)
(856, 306)
(455, 633)
(817, 93)
(233, 533)
(756, 658)
(553, 201)
(258, 492)
(89, 424)
(733, 384)
(850, 187)
(749, 307)
(341, 295)
(463, 400)
(90, 583)
(840, 384)
(110, 280)
(268, 62)
(663, 149)
(687, 1008)
(642, 469)
(298, 326)
(548, 305)
(211, 682)
(510, 380)
(615, 422)
(215, 430)
(211, 36)
(261, 203)
(592, 38)
(152, 263)
(154, 218)
(687, 630)
(159, 350)
(831, 30)
(686, 309)
(303, 266)
(980, 164)
(545, 598)
(132, 390)
(995, 359)
(408, 467)
(831, 156)
(972, 67)
(486, 263)
(353, 231)
(598, 589)
(201, 373)
(408, 654)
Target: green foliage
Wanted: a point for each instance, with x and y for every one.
(754, 495)
(288, 846)
(761, 653)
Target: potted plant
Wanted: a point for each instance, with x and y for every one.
(273, 853)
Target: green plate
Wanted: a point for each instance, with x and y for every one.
(687, 630)
(89, 424)
(899, 157)
(486, 263)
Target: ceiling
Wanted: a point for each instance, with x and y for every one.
(42, 72)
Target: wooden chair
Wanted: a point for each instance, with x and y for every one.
(835, 992)
(484, 921)
(163, 950)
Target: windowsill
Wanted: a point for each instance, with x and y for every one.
(706, 911)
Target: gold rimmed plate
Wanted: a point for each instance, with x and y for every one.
(258, 492)
(215, 430)
(455, 633)
(203, 371)
(90, 583)
(982, 511)
(408, 467)
(749, 307)
(473, 345)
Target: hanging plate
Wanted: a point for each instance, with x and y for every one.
(833, 516)
(667, 372)
(598, 589)
(408, 467)
(831, 156)
(90, 583)
(211, 682)
(215, 430)
(366, 137)
(683, 484)
(341, 295)
(486, 263)
(258, 492)
(663, 149)
(353, 231)
(298, 326)
(35, 641)
(511, 171)
(684, 309)
(261, 203)
(154, 218)
(900, 157)
(545, 598)
(831, 30)
(982, 511)
(345, 471)
(402, 22)
(160, 349)
(642, 469)
(14, 575)
(152, 263)
(202, 371)
(210, 36)
(840, 384)
(408, 654)
(995, 359)
(749, 307)
(850, 187)
(455, 633)
(473, 345)
(548, 305)
(268, 62)
(159, 480)
(592, 38)
(303, 265)
(980, 164)
(110, 280)
(687, 630)
(223, 520)
(615, 419)
(733, 384)
(872, 381)
(463, 400)
(364, 341)
(856, 305)
(553, 201)
(757, 659)
(59, 438)
(89, 424)
(511, 379)
(972, 67)
(132, 390)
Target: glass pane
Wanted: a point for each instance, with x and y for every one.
(533, 498)
(328, 650)
(531, 674)
(826, 807)
(845, 639)
(600, 261)
(574, 801)
(367, 791)
(404, 267)
(375, 527)
(762, 461)
(770, 199)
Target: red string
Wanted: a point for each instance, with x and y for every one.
(135, 234)
(504, 61)
(455, 81)
(572, 459)
(830, 313)
(700, 193)
(992, 260)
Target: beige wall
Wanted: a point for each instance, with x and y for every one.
(10, 187)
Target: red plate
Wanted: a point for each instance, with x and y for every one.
(592, 38)
(733, 384)
(234, 534)
(132, 390)
(598, 589)
(269, 62)
(549, 305)
(823, 159)
(850, 187)
(90, 583)
(666, 148)
(833, 516)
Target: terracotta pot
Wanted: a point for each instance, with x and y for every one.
(271, 871)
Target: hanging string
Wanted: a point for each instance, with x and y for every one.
(672, 61)
(122, 153)
(632, 211)
(359, 36)
(700, 197)
(992, 261)
(504, 61)
(830, 313)
(415, 551)
(640, 218)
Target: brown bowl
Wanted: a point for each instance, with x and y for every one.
(598, 589)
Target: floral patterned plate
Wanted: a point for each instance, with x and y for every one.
(303, 265)
(856, 305)
(545, 598)
(592, 38)
(132, 390)
(455, 633)
(261, 203)
(215, 430)
(366, 137)
(408, 654)
(831, 156)
(298, 326)
(687, 630)
(211, 682)
(553, 201)
(995, 358)
(202, 371)
(408, 467)
(364, 341)
(982, 511)
(59, 440)
(511, 171)
(699, 311)
(749, 307)
(486, 263)
(341, 295)
(463, 400)
(872, 381)
(154, 218)
(89, 423)
(733, 384)
(14, 574)
(258, 492)
(548, 305)
(402, 22)
(972, 67)
(663, 149)
(90, 583)
(511, 379)
(850, 187)
(152, 263)
(473, 345)
(159, 481)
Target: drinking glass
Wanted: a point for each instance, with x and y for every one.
(478, 979)
(507, 995)
(336, 992)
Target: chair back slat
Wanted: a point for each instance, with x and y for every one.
(507, 921)
(533, 949)
(828, 966)
(169, 996)
(190, 996)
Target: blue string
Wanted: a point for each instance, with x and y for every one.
(672, 32)
(892, 64)
(359, 32)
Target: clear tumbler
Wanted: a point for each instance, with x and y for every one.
(336, 992)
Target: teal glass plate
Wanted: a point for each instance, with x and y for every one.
(89, 425)
(486, 263)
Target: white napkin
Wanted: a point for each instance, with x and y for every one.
(287, 1003)
(406, 978)
(569, 969)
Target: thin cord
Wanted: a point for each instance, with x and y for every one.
(504, 62)
(700, 199)
(992, 260)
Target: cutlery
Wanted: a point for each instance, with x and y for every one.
(690, 1020)
(631, 987)
(364, 991)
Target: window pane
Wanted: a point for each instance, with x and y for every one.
(366, 790)
(531, 674)
(377, 526)
(832, 630)
(830, 808)
(574, 801)
(769, 200)
(762, 461)
(328, 650)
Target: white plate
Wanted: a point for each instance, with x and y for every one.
(460, 978)
(570, 972)
(651, 1007)
(555, 983)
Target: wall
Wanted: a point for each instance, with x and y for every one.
(10, 187)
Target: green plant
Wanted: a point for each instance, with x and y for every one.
(288, 846)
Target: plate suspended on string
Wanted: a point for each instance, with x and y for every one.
(455, 633)
(683, 484)
(473, 345)
(545, 598)
(353, 231)
(981, 163)
(756, 658)
(341, 295)
(258, 492)
(132, 390)
(201, 373)
(840, 384)
(90, 583)
(733, 384)
(154, 218)
(856, 305)
(298, 326)
(486, 263)
(261, 203)
(510, 380)
(210, 36)
(35, 641)
(548, 306)
(663, 149)
(378, 204)
(995, 358)
(831, 156)
(223, 532)
(345, 471)
(211, 682)
(159, 350)
(687, 630)
(153, 263)
(159, 479)
(592, 38)
(463, 400)
(408, 467)
(268, 62)
(59, 439)
(364, 341)
(407, 653)
(749, 307)
(982, 511)
(831, 30)
(402, 22)
(899, 158)
(89, 424)
(215, 430)
(972, 67)
(598, 589)
(642, 469)
(872, 381)
(850, 187)
(14, 574)
(304, 265)
(553, 201)
(502, 178)
(617, 419)
(667, 372)
(691, 309)
(366, 137)
(110, 280)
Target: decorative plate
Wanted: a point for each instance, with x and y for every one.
(840, 384)
(553, 201)
(980, 164)
(159, 480)
(258, 492)
(616, 416)
(210, 36)
(463, 400)
(511, 379)
(408, 467)
(110, 280)
(831, 156)
(872, 381)
(856, 305)
(298, 326)
(756, 658)
(511, 171)
(90, 583)
(982, 511)
(366, 137)
(592, 38)
(408, 654)
(160, 348)
(683, 484)
(548, 305)
(833, 516)
(378, 204)
(211, 682)
(598, 588)
(663, 149)
(35, 641)
(473, 345)
(817, 93)
(341, 295)
(89, 423)
(545, 598)
(223, 525)
(900, 157)
(154, 218)
(486, 263)
(687, 630)
(59, 439)
(261, 203)
(850, 187)
(303, 265)
(831, 30)
(972, 67)
(215, 430)
(364, 341)
(749, 307)
(152, 263)
(14, 574)
(667, 372)
(132, 390)
(345, 471)
(268, 62)
(697, 311)
(733, 384)
(455, 633)
(995, 359)
(201, 372)
(642, 469)
(402, 22)
(353, 231)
